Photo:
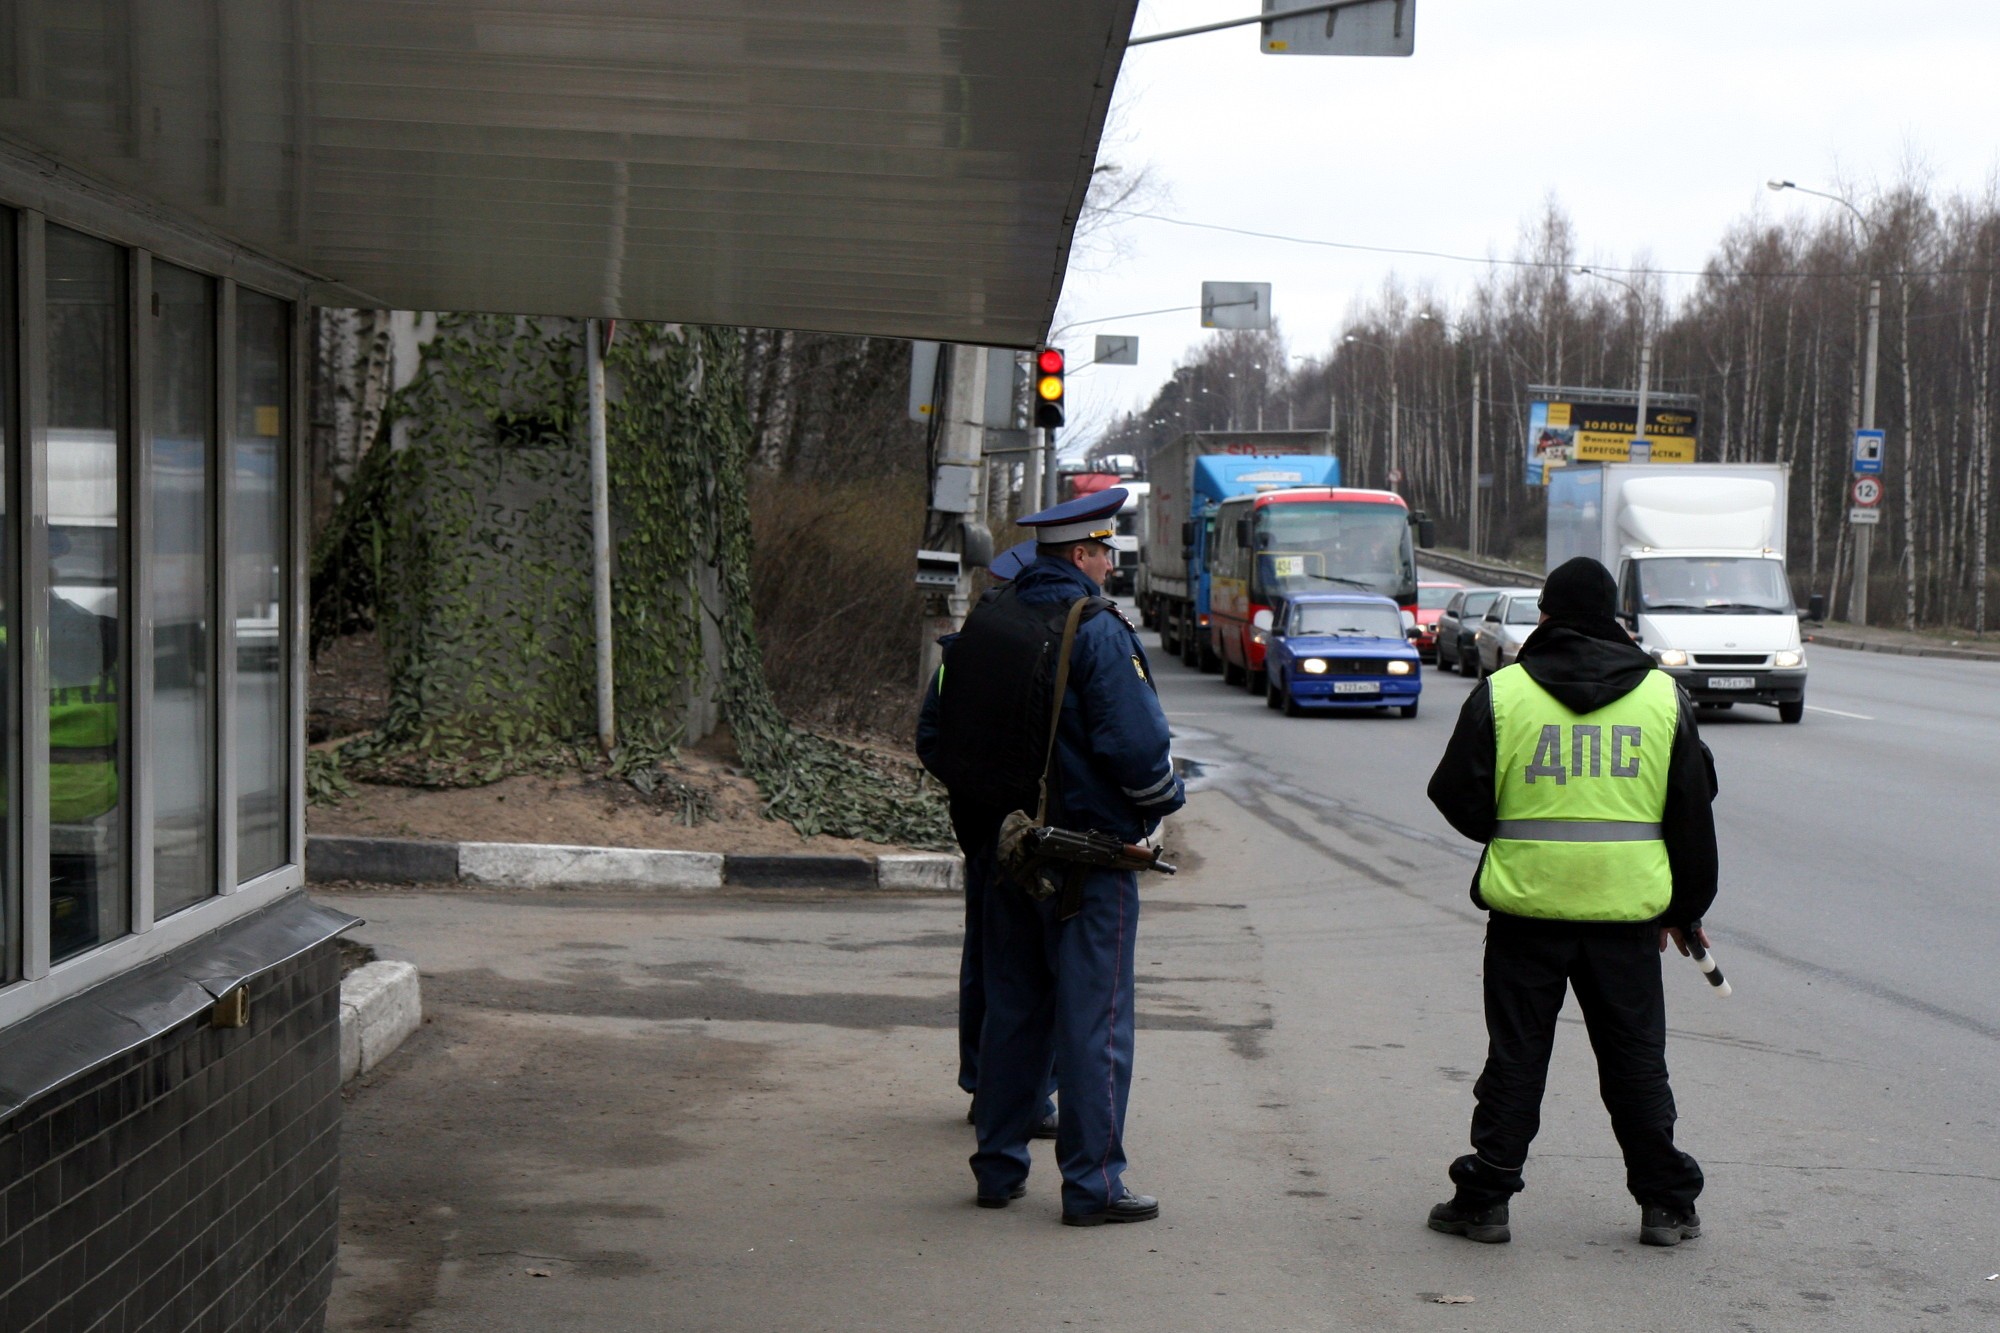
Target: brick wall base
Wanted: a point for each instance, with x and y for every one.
(190, 1183)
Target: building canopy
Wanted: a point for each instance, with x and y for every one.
(911, 168)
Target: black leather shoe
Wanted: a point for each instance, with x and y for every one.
(1661, 1225)
(1045, 1128)
(1127, 1207)
(1488, 1226)
(1001, 1200)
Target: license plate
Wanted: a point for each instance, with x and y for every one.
(1356, 687)
(1732, 682)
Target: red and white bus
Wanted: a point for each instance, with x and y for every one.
(1306, 539)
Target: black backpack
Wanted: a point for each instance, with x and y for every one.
(996, 700)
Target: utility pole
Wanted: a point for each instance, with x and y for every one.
(1395, 477)
(1472, 469)
(1864, 534)
(958, 501)
(1645, 374)
(600, 534)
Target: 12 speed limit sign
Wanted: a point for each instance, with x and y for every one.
(1867, 492)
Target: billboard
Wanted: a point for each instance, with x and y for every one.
(1576, 431)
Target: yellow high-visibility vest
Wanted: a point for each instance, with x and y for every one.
(1579, 798)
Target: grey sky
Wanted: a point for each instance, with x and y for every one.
(1654, 124)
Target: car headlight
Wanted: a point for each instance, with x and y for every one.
(1313, 666)
(1789, 657)
(1671, 656)
(1399, 668)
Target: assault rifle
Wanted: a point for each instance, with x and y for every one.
(1096, 849)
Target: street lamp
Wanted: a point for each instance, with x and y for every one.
(1395, 445)
(1864, 534)
(1645, 348)
(1471, 443)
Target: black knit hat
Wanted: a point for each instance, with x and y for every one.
(1580, 591)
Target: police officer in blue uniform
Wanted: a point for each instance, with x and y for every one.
(1060, 989)
(974, 831)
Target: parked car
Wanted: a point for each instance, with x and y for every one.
(1431, 600)
(1341, 651)
(1507, 624)
(1455, 624)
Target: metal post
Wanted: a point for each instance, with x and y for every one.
(1472, 470)
(1048, 467)
(1864, 534)
(600, 535)
(1645, 375)
(1395, 479)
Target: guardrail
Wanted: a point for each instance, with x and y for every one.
(1486, 571)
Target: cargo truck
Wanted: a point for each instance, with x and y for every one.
(1698, 550)
(1195, 477)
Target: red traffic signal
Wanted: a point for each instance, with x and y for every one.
(1049, 387)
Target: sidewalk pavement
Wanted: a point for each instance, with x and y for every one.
(634, 1112)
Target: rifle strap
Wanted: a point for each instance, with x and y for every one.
(1076, 609)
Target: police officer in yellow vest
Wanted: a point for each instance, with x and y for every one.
(1581, 770)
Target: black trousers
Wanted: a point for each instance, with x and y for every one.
(1616, 976)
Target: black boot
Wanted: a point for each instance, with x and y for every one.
(1660, 1224)
(1486, 1225)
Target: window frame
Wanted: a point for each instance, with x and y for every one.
(37, 201)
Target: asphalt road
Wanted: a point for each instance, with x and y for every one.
(1843, 1100)
(644, 1112)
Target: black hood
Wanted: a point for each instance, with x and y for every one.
(1584, 667)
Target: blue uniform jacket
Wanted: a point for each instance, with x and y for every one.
(1114, 772)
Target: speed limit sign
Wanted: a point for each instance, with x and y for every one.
(1867, 492)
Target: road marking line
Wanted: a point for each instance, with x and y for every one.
(1858, 717)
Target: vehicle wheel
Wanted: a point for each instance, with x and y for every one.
(1479, 667)
(1257, 682)
(1290, 705)
(1190, 650)
(1169, 626)
(1205, 656)
(1274, 697)
(1792, 712)
(1231, 673)
(1408, 710)
(1465, 663)
(1442, 664)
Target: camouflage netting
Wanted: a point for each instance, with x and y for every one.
(467, 546)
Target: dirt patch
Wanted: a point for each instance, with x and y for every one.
(702, 802)
(580, 809)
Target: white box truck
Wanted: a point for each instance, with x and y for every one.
(1698, 550)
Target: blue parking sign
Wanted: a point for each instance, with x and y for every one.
(1868, 448)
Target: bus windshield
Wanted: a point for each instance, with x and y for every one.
(1323, 546)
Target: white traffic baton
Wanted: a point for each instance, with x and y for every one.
(1704, 959)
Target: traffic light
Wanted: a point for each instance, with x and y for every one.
(1049, 387)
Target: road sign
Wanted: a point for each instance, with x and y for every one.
(1867, 492)
(1868, 448)
(1236, 305)
(1395, 477)
(1116, 349)
(1864, 516)
(1371, 28)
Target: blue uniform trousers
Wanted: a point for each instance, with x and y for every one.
(1062, 990)
(972, 966)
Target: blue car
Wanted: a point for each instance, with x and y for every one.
(1341, 650)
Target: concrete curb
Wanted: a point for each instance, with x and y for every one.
(535, 865)
(531, 865)
(380, 1005)
(1904, 649)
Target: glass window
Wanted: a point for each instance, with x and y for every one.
(10, 903)
(259, 556)
(1352, 620)
(1524, 610)
(86, 440)
(180, 559)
